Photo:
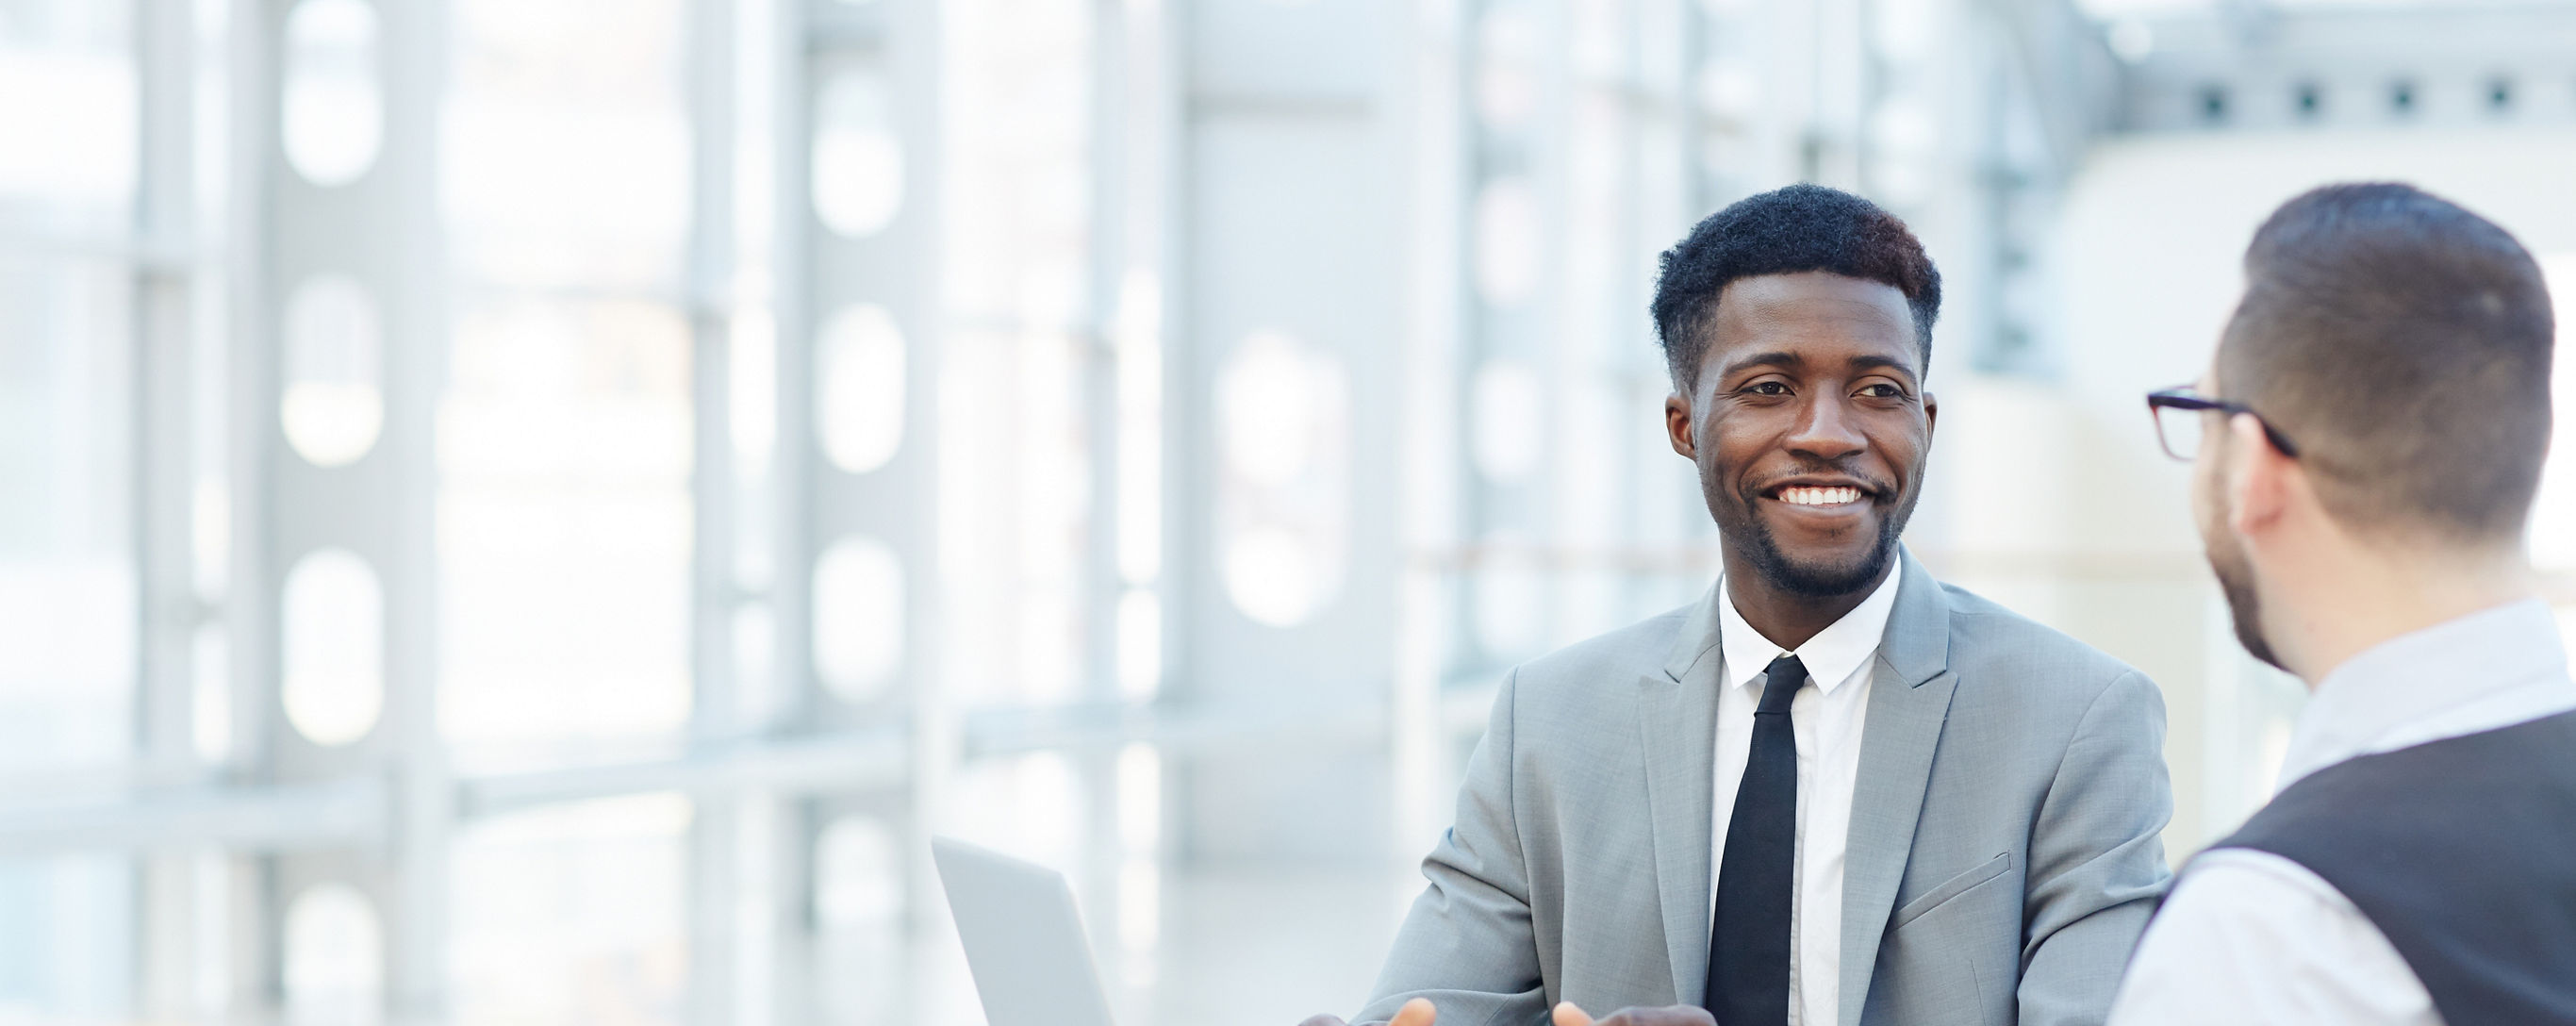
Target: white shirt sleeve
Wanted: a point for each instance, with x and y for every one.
(2251, 937)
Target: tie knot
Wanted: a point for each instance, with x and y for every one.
(1775, 697)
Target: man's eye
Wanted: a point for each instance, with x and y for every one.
(1768, 388)
(1882, 390)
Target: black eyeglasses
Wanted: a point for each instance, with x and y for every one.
(2179, 425)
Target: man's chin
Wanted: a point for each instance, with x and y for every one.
(1826, 574)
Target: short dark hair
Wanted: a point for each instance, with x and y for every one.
(2404, 344)
(1785, 231)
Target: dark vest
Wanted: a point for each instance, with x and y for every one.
(2461, 851)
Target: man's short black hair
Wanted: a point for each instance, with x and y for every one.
(1785, 231)
(2403, 344)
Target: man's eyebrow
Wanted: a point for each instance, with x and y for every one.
(1889, 362)
(1781, 358)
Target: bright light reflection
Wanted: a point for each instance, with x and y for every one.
(858, 617)
(1140, 426)
(334, 947)
(1269, 400)
(1509, 252)
(1140, 644)
(1271, 575)
(1508, 403)
(858, 160)
(333, 611)
(333, 406)
(333, 120)
(859, 406)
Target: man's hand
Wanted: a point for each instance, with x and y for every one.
(1417, 1012)
(1676, 1015)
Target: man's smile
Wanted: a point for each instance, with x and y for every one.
(1829, 503)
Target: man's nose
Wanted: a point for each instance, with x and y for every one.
(1826, 431)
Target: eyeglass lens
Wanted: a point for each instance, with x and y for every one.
(2180, 430)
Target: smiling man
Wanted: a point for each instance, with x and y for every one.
(1834, 791)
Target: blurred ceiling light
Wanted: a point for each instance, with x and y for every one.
(1507, 49)
(1273, 576)
(2132, 41)
(333, 120)
(858, 162)
(1903, 137)
(858, 617)
(1903, 30)
(332, 406)
(1507, 402)
(1140, 644)
(333, 620)
(1271, 400)
(860, 401)
(1508, 244)
(1730, 92)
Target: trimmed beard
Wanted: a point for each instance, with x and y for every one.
(2227, 559)
(2236, 581)
(1810, 581)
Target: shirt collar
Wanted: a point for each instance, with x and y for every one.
(1830, 657)
(2418, 675)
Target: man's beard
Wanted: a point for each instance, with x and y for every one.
(1737, 520)
(2236, 581)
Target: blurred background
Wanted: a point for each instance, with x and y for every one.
(531, 511)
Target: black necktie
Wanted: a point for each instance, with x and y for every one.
(1748, 934)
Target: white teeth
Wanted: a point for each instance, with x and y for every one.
(1819, 496)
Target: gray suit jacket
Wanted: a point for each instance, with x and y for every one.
(2002, 860)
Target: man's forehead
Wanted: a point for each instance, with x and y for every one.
(1816, 294)
(1813, 333)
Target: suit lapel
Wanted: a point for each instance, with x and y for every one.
(1910, 689)
(1677, 735)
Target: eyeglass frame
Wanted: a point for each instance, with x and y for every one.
(2187, 398)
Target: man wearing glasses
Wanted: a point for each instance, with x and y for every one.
(2365, 450)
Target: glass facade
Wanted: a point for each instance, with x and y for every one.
(534, 511)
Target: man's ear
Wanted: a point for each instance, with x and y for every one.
(1931, 415)
(2258, 480)
(1677, 425)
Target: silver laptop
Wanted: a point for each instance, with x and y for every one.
(1024, 940)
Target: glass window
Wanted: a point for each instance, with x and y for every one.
(67, 950)
(859, 406)
(67, 78)
(858, 157)
(333, 611)
(564, 156)
(67, 599)
(564, 442)
(333, 403)
(1283, 428)
(333, 121)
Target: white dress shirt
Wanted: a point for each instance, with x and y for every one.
(1827, 720)
(2251, 937)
